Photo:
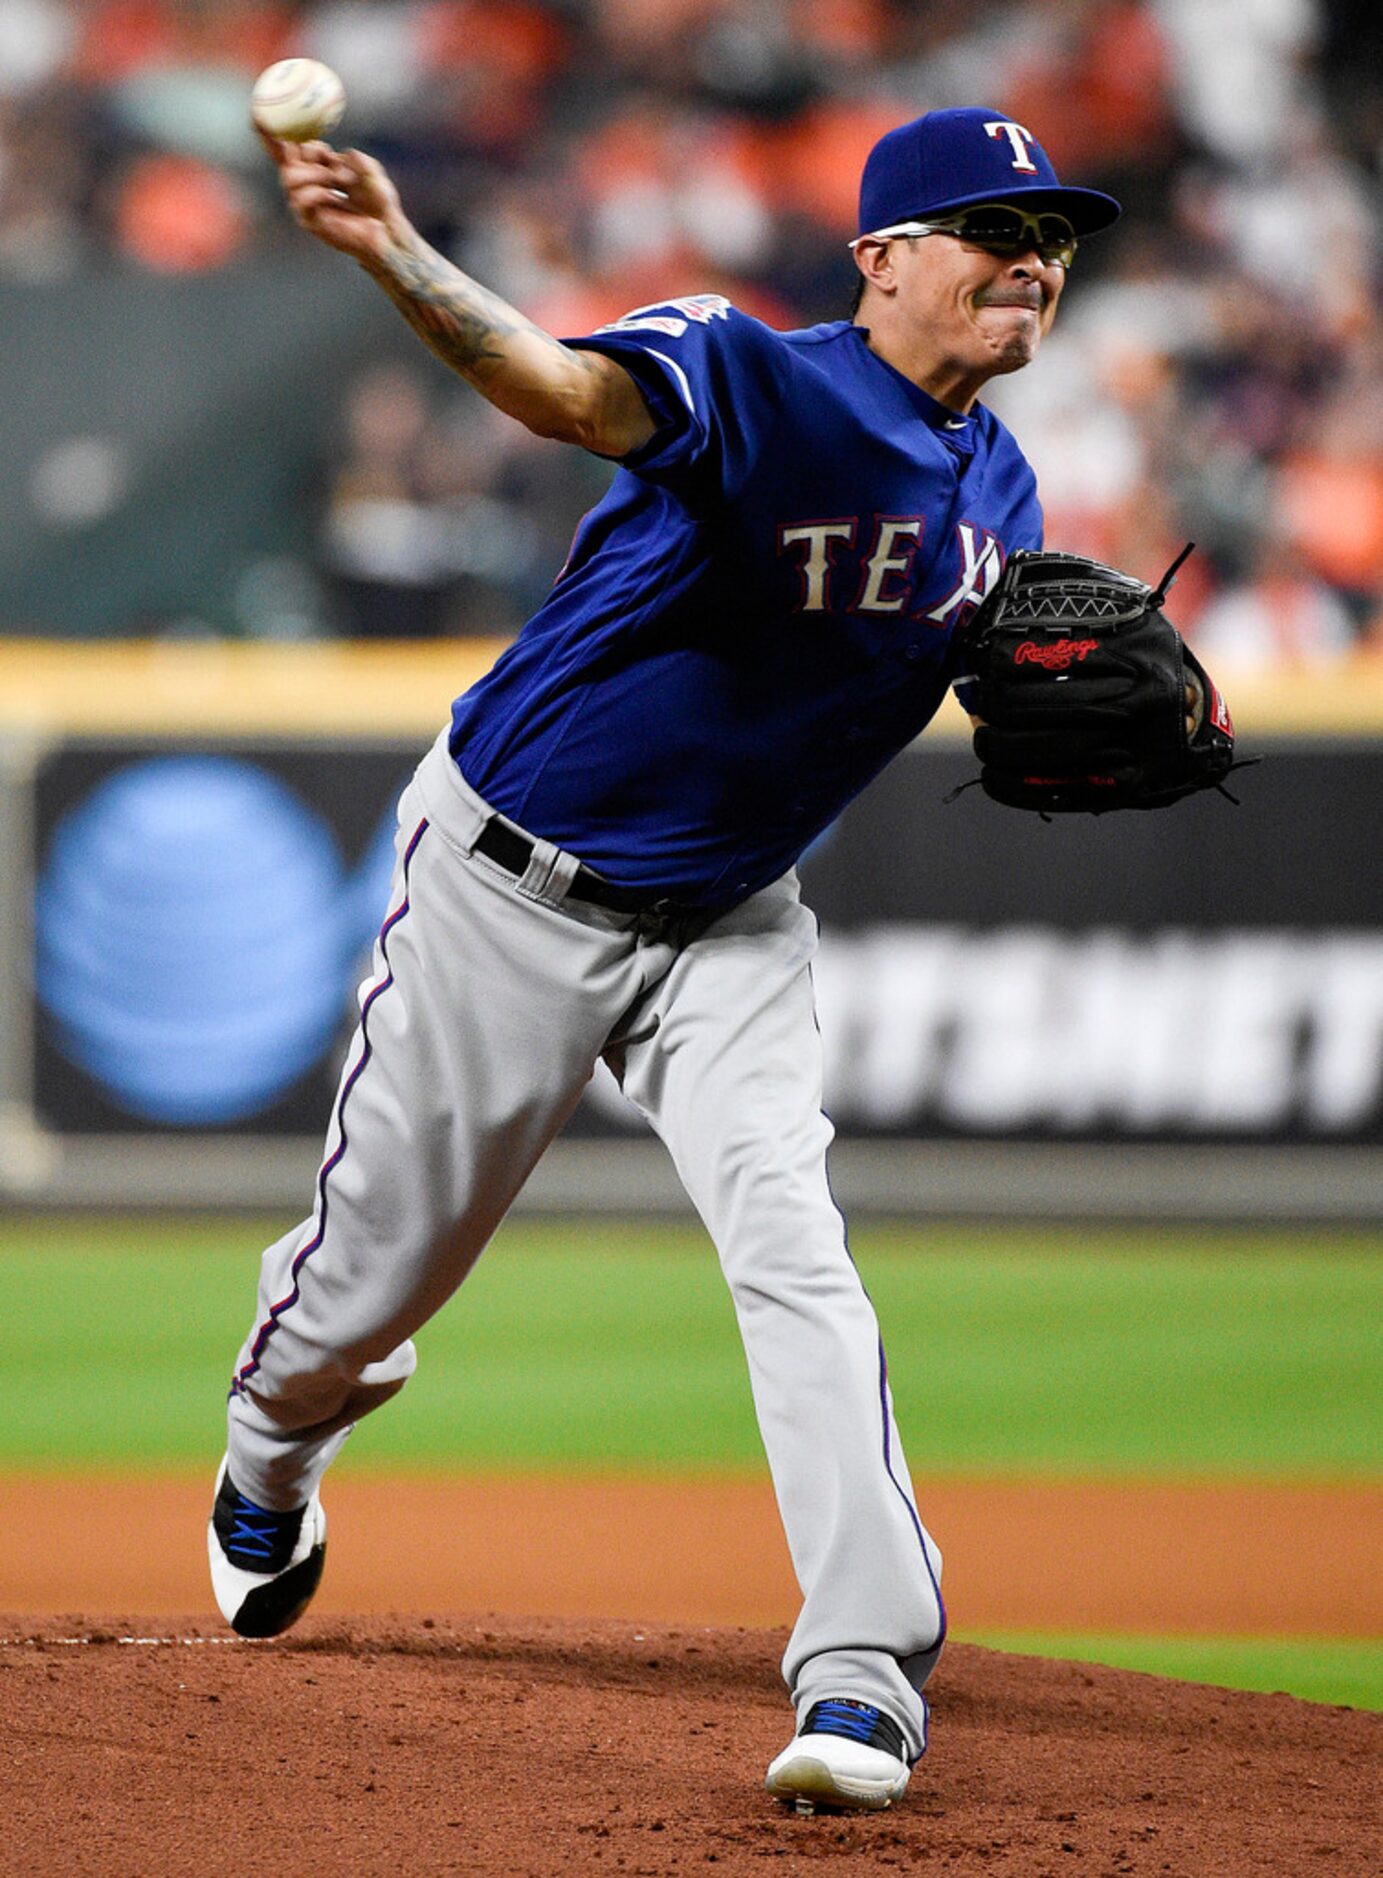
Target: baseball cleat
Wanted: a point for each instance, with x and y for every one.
(848, 1755)
(265, 1566)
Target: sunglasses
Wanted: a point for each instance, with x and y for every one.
(996, 226)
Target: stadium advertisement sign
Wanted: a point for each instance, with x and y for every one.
(200, 917)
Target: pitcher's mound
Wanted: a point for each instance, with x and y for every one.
(540, 1749)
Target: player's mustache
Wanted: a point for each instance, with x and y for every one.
(1029, 297)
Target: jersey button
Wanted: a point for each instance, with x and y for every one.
(913, 652)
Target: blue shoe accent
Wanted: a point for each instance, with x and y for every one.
(254, 1537)
(265, 1566)
(856, 1721)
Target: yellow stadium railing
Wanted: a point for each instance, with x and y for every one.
(353, 689)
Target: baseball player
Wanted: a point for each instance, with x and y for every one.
(596, 861)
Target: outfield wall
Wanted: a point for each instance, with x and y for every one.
(1173, 1015)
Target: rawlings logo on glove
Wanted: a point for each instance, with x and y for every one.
(1055, 658)
(1124, 717)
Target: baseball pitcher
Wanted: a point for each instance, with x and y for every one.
(596, 860)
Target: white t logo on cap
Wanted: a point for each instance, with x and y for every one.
(1018, 138)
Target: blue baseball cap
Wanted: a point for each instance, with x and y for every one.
(951, 159)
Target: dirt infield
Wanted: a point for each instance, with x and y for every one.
(1176, 1559)
(527, 1750)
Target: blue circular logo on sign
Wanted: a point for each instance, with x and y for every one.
(194, 932)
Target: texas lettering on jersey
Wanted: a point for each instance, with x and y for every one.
(799, 538)
(857, 564)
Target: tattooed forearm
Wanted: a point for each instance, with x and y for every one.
(464, 323)
(556, 390)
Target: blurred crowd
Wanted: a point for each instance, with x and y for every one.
(1217, 371)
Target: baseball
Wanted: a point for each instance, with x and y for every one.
(297, 99)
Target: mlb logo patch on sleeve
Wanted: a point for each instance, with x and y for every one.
(672, 316)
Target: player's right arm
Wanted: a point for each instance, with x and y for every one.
(347, 200)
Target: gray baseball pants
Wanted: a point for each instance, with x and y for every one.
(490, 1002)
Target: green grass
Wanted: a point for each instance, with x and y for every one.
(1155, 1354)
(614, 1346)
(1316, 1669)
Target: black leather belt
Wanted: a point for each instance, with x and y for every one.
(512, 851)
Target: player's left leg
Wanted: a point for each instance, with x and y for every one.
(731, 1080)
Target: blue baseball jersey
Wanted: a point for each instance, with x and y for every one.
(757, 616)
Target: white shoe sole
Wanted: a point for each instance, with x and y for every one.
(264, 1604)
(828, 1771)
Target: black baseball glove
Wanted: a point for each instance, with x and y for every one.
(1089, 697)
